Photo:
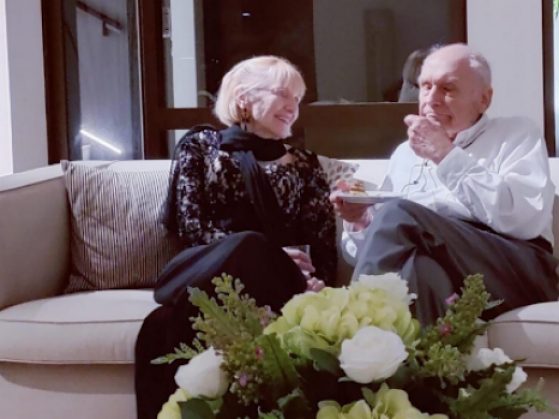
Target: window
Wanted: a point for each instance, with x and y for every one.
(92, 79)
(351, 55)
(138, 99)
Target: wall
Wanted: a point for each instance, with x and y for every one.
(6, 164)
(22, 91)
(509, 34)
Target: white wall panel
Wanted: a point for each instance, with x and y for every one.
(509, 34)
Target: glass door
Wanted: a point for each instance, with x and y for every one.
(93, 79)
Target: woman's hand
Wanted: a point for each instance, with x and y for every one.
(314, 284)
(301, 259)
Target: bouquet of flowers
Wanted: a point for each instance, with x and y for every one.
(351, 352)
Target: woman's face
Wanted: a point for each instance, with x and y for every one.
(273, 111)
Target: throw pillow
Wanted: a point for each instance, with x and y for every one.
(337, 170)
(116, 239)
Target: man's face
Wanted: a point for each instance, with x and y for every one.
(451, 92)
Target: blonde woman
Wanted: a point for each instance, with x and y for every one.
(237, 199)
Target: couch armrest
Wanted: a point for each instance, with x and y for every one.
(34, 235)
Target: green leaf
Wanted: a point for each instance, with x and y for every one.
(278, 365)
(295, 405)
(325, 361)
(441, 347)
(276, 414)
(476, 402)
(401, 377)
(513, 405)
(508, 412)
(229, 317)
(182, 352)
(211, 309)
(369, 396)
(196, 409)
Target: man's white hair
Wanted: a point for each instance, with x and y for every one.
(477, 62)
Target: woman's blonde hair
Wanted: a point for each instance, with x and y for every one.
(265, 71)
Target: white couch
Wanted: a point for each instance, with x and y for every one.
(64, 356)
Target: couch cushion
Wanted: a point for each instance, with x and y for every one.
(34, 235)
(98, 327)
(530, 333)
(337, 170)
(117, 241)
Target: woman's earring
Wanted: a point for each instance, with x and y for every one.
(245, 118)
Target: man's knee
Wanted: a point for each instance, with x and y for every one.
(400, 208)
(405, 216)
(404, 225)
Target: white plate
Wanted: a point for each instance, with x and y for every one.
(372, 197)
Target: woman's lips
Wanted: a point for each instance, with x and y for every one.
(285, 119)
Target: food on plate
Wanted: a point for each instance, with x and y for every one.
(357, 188)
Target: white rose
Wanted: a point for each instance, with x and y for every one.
(484, 358)
(518, 377)
(372, 354)
(391, 283)
(203, 375)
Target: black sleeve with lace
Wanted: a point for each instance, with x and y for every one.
(194, 227)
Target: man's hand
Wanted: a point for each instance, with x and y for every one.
(353, 213)
(427, 138)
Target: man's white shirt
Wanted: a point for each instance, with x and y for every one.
(497, 174)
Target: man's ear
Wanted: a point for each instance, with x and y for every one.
(486, 96)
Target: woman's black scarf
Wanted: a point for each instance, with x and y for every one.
(247, 148)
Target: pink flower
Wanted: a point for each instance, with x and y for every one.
(266, 317)
(452, 299)
(259, 352)
(243, 379)
(445, 329)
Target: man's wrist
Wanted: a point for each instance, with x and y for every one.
(442, 154)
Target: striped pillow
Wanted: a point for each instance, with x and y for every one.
(337, 170)
(116, 240)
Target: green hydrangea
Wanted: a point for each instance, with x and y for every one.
(394, 404)
(325, 319)
(332, 410)
(387, 403)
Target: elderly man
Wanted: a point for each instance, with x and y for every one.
(478, 196)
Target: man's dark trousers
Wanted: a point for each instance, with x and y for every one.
(434, 253)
